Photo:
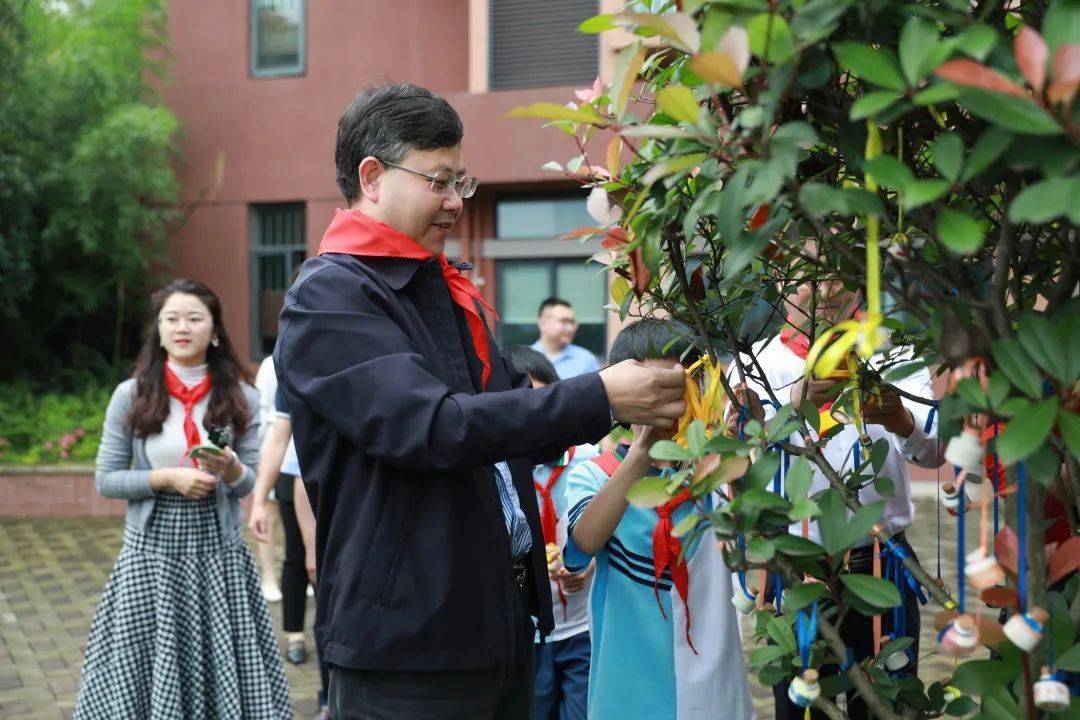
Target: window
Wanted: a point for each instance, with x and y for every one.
(278, 43)
(278, 248)
(537, 44)
(544, 218)
(524, 284)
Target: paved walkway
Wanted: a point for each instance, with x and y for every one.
(52, 573)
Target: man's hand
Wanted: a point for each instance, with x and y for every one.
(748, 399)
(818, 392)
(258, 521)
(888, 411)
(645, 395)
(572, 582)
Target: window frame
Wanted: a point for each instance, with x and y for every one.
(299, 70)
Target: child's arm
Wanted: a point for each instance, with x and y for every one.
(605, 510)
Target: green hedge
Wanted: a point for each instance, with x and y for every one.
(49, 428)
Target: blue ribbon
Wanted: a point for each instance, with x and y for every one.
(960, 556)
(1021, 532)
(994, 482)
(807, 625)
(892, 557)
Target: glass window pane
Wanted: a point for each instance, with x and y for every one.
(277, 34)
(522, 287)
(540, 218)
(584, 286)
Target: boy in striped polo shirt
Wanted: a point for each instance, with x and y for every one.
(665, 638)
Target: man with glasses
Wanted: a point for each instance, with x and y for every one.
(417, 437)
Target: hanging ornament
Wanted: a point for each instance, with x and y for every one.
(895, 661)
(951, 497)
(744, 598)
(1051, 694)
(804, 689)
(960, 637)
(982, 570)
(966, 450)
(1025, 629)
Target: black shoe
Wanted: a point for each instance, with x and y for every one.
(296, 652)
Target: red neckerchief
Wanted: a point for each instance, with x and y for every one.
(549, 519)
(354, 233)
(189, 396)
(667, 550)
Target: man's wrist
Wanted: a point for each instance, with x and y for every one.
(906, 424)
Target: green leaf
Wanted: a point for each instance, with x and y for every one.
(678, 102)
(765, 655)
(977, 41)
(649, 492)
(770, 33)
(802, 595)
(889, 171)
(921, 192)
(597, 24)
(858, 527)
(695, 438)
(960, 706)
(628, 63)
(759, 550)
(918, 41)
(804, 509)
(781, 634)
(991, 145)
(872, 103)
(665, 132)
(1044, 201)
(685, 525)
(879, 452)
(798, 479)
(555, 111)
(1040, 340)
(668, 450)
(796, 546)
(948, 155)
(937, 93)
(832, 520)
(959, 232)
(875, 591)
(977, 677)
(1012, 112)
(970, 391)
(878, 66)
(819, 199)
(762, 472)
(1069, 660)
(1027, 431)
(1011, 359)
(671, 167)
(1069, 424)
(1061, 24)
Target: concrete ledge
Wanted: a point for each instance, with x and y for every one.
(52, 492)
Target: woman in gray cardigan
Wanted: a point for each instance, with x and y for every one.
(182, 630)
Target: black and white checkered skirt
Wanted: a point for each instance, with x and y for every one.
(182, 630)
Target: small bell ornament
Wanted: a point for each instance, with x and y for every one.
(983, 571)
(744, 600)
(896, 661)
(804, 689)
(951, 497)
(960, 637)
(966, 450)
(1026, 629)
(1051, 694)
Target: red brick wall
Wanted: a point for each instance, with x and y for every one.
(53, 492)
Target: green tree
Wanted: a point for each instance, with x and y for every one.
(924, 153)
(87, 187)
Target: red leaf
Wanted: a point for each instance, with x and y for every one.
(760, 216)
(697, 286)
(1066, 66)
(1064, 561)
(639, 272)
(972, 74)
(1000, 597)
(1005, 548)
(615, 239)
(580, 232)
(1031, 53)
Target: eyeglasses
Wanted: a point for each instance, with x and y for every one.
(444, 182)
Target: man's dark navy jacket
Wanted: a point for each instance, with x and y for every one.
(398, 444)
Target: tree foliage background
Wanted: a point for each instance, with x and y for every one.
(87, 187)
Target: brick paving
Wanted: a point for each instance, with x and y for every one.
(52, 573)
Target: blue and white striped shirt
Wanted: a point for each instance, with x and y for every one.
(517, 527)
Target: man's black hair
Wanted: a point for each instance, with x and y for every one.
(386, 122)
(532, 362)
(553, 302)
(654, 339)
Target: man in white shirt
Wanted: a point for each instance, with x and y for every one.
(558, 325)
(909, 427)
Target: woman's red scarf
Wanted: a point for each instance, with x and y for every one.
(189, 397)
(354, 233)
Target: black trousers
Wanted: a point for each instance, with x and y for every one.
(294, 579)
(857, 632)
(499, 694)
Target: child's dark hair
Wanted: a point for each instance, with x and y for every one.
(532, 362)
(654, 339)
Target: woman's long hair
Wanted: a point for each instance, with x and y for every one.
(227, 406)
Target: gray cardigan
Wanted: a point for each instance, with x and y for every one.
(124, 472)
